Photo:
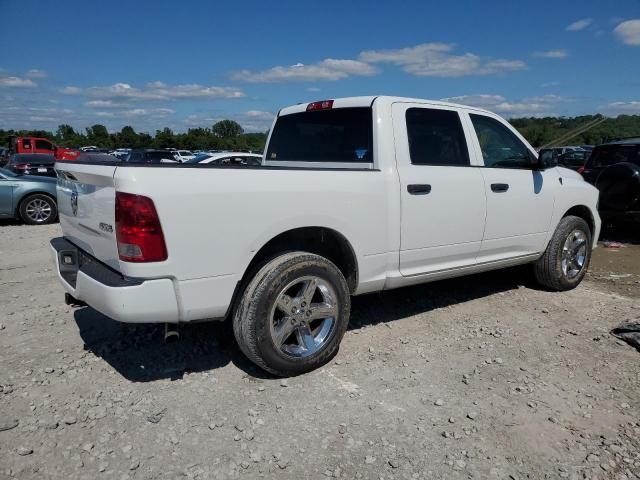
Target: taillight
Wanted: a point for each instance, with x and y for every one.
(322, 105)
(138, 230)
(23, 167)
(581, 170)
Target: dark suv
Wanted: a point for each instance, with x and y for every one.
(150, 155)
(614, 169)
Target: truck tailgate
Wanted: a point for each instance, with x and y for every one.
(86, 205)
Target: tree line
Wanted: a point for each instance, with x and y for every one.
(229, 135)
(223, 135)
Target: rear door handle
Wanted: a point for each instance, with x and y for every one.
(499, 187)
(419, 189)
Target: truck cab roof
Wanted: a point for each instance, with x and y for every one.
(368, 101)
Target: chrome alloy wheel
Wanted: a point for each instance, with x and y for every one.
(574, 254)
(38, 210)
(303, 316)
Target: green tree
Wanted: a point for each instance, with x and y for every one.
(164, 138)
(98, 135)
(227, 129)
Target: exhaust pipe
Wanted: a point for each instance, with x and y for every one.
(73, 301)
(171, 333)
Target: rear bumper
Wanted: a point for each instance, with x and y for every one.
(121, 298)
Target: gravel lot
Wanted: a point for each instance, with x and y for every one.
(482, 377)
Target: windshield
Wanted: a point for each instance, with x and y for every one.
(198, 158)
(337, 135)
(6, 173)
(159, 156)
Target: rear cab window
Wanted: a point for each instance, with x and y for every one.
(340, 137)
(606, 155)
(44, 145)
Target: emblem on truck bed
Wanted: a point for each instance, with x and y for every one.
(74, 203)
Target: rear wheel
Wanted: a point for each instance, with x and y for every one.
(566, 259)
(38, 209)
(293, 314)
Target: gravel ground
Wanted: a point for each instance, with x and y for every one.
(482, 377)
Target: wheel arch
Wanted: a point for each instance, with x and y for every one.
(26, 195)
(583, 212)
(322, 241)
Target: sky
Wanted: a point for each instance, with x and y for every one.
(185, 64)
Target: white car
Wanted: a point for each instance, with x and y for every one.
(183, 155)
(227, 158)
(354, 195)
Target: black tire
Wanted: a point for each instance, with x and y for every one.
(27, 205)
(253, 313)
(548, 269)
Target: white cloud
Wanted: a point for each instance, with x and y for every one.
(71, 90)
(555, 53)
(154, 91)
(103, 104)
(629, 32)
(35, 73)
(327, 70)
(579, 25)
(437, 60)
(143, 112)
(539, 106)
(161, 91)
(10, 81)
(618, 108)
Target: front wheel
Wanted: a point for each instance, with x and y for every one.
(566, 259)
(38, 209)
(293, 314)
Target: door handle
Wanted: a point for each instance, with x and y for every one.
(419, 189)
(499, 187)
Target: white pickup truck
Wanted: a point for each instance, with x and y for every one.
(353, 196)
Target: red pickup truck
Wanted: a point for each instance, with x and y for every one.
(42, 145)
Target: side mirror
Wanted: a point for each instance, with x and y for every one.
(542, 162)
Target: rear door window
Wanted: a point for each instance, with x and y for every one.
(341, 135)
(436, 137)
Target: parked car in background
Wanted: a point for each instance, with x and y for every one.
(4, 156)
(151, 155)
(574, 159)
(27, 197)
(183, 155)
(32, 164)
(121, 153)
(41, 145)
(227, 158)
(614, 169)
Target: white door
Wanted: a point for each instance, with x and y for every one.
(520, 198)
(442, 195)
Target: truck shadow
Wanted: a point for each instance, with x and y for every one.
(138, 351)
(139, 354)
